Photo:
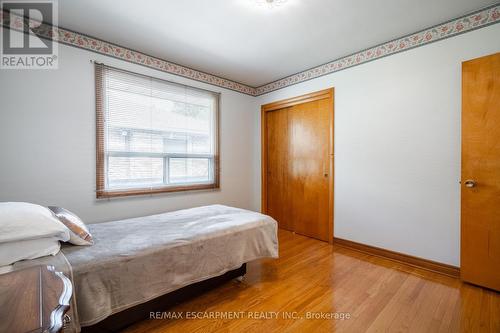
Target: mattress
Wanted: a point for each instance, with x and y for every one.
(138, 259)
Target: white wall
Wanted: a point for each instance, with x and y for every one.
(47, 142)
(397, 146)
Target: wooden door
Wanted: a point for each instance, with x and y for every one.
(297, 175)
(309, 168)
(480, 193)
(278, 168)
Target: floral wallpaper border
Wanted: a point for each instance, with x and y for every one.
(469, 22)
(88, 43)
(476, 20)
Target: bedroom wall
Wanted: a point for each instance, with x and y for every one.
(397, 146)
(47, 135)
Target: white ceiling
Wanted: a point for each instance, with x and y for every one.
(255, 45)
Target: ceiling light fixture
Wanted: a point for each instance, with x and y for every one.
(270, 3)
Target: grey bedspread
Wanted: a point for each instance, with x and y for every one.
(136, 260)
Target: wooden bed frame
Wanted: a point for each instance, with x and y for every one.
(121, 320)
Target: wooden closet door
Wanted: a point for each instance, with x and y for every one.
(309, 126)
(297, 163)
(277, 168)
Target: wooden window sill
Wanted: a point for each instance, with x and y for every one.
(148, 191)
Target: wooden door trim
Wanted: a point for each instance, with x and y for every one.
(314, 96)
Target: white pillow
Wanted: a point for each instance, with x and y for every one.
(5, 269)
(28, 249)
(24, 221)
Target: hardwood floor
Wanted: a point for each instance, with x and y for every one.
(312, 276)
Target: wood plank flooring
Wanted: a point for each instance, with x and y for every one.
(311, 276)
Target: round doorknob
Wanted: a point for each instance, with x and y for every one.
(470, 183)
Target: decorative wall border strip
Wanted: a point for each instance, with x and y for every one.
(71, 38)
(478, 19)
(469, 22)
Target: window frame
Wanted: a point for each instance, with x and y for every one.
(102, 192)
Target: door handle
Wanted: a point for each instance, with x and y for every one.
(470, 183)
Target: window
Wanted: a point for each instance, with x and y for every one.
(153, 136)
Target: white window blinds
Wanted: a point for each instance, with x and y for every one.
(154, 134)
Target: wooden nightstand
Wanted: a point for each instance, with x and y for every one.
(34, 299)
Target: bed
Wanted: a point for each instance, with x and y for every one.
(135, 261)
